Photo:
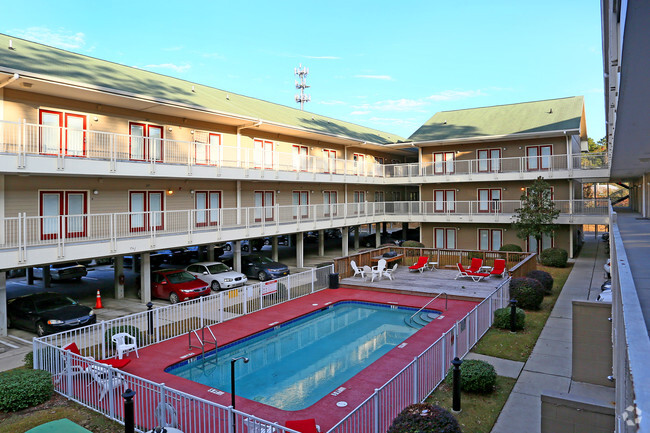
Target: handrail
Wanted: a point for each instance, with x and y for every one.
(427, 304)
(201, 340)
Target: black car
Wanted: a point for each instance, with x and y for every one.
(47, 313)
(262, 267)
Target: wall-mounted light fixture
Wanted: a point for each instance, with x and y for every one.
(192, 132)
(523, 189)
(191, 191)
(278, 191)
(95, 192)
(312, 191)
(170, 129)
(96, 119)
(170, 191)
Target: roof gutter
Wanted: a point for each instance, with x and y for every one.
(486, 138)
(9, 80)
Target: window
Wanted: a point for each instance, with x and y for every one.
(444, 200)
(300, 154)
(538, 157)
(264, 202)
(444, 238)
(62, 133)
(145, 142)
(488, 200)
(263, 154)
(489, 160)
(207, 149)
(300, 201)
(379, 196)
(360, 198)
(330, 160)
(443, 162)
(330, 201)
(490, 239)
(146, 210)
(547, 242)
(379, 160)
(207, 205)
(397, 196)
(63, 212)
(359, 164)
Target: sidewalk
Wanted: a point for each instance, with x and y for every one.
(549, 366)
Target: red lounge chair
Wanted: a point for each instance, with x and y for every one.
(499, 267)
(421, 264)
(304, 425)
(475, 276)
(476, 265)
(115, 363)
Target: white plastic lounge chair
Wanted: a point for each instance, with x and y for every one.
(124, 343)
(367, 271)
(102, 378)
(378, 271)
(255, 426)
(356, 270)
(389, 272)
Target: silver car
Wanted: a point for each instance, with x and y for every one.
(217, 275)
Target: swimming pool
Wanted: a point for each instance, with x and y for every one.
(295, 364)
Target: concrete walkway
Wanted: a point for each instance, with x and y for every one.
(549, 366)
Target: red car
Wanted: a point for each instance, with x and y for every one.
(177, 285)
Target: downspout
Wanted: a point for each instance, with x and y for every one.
(9, 80)
(239, 128)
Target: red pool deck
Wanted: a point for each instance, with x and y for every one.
(154, 359)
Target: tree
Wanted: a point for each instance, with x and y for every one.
(536, 216)
(596, 146)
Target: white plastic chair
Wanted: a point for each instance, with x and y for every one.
(389, 272)
(378, 271)
(123, 346)
(356, 269)
(367, 271)
(102, 378)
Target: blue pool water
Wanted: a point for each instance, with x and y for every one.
(294, 365)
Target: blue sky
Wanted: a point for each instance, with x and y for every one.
(383, 64)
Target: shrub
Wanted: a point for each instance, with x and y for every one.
(424, 418)
(475, 376)
(544, 278)
(528, 292)
(475, 255)
(555, 257)
(20, 389)
(412, 244)
(502, 318)
(511, 247)
(129, 329)
(29, 360)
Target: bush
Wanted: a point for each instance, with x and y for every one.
(424, 418)
(502, 318)
(528, 292)
(475, 255)
(20, 389)
(412, 244)
(544, 278)
(511, 247)
(475, 376)
(129, 329)
(29, 360)
(555, 257)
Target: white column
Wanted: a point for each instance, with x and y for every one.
(118, 277)
(378, 234)
(274, 248)
(321, 243)
(145, 277)
(239, 202)
(571, 241)
(210, 252)
(3, 304)
(2, 201)
(644, 196)
(344, 241)
(300, 250)
(236, 256)
(356, 237)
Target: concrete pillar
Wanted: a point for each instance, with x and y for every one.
(274, 249)
(239, 218)
(321, 243)
(30, 276)
(47, 277)
(344, 241)
(356, 237)
(145, 277)
(378, 234)
(571, 241)
(2, 190)
(385, 229)
(118, 276)
(3, 304)
(236, 256)
(300, 250)
(210, 252)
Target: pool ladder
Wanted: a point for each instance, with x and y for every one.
(410, 320)
(202, 341)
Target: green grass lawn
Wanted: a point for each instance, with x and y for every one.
(479, 412)
(518, 347)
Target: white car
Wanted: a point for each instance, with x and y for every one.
(607, 268)
(605, 296)
(217, 275)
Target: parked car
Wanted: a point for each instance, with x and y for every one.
(193, 252)
(63, 271)
(16, 273)
(607, 268)
(282, 240)
(217, 275)
(333, 234)
(46, 313)
(310, 237)
(262, 267)
(177, 285)
(607, 285)
(156, 258)
(605, 296)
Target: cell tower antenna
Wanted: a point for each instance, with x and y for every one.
(301, 84)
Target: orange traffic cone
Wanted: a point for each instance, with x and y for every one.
(98, 304)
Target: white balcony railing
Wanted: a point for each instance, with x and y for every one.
(23, 139)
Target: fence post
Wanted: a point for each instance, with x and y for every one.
(444, 355)
(375, 412)
(156, 313)
(68, 375)
(455, 341)
(475, 327)
(415, 380)
(312, 279)
(231, 420)
(201, 311)
(245, 308)
(111, 397)
(103, 339)
(221, 307)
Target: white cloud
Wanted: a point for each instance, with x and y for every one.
(453, 95)
(393, 121)
(60, 37)
(376, 77)
(359, 113)
(170, 66)
(400, 105)
(332, 102)
(420, 105)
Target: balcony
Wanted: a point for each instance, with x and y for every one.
(33, 240)
(45, 150)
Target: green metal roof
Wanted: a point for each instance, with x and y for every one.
(57, 64)
(526, 117)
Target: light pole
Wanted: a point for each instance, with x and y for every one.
(232, 386)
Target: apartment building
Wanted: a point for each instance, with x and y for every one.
(99, 159)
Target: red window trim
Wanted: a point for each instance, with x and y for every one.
(358, 162)
(207, 210)
(145, 218)
(145, 141)
(272, 206)
(488, 160)
(445, 237)
(491, 201)
(263, 155)
(40, 121)
(63, 211)
(444, 162)
(538, 157)
(490, 246)
(306, 156)
(328, 161)
(444, 202)
(306, 209)
(83, 152)
(208, 148)
(335, 203)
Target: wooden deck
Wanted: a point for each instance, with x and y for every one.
(433, 282)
